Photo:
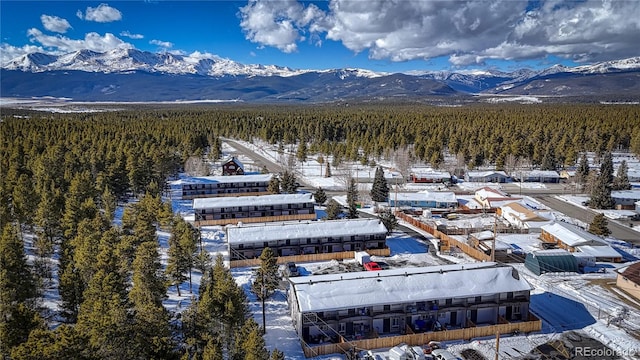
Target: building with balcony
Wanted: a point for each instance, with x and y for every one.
(251, 209)
(362, 305)
(308, 237)
(235, 185)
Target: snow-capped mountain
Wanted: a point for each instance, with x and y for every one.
(119, 74)
(121, 60)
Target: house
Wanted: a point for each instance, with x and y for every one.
(574, 239)
(628, 279)
(490, 198)
(393, 302)
(232, 166)
(431, 176)
(625, 199)
(524, 215)
(551, 261)
(541, 176)
(309, 237)
(233, 185)
(568, 174)
(250, 209)
(424, 200)
(486, 176)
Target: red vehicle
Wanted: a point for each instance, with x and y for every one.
(372, 266)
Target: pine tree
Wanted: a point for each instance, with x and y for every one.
(582, 173)
(266, 276)
(601, 192)
(274, 185)
(301, 153)
(388, 219)
(177, 262)
(333, 210)
(599, 225)
(264, 170)
(212, 351)
(25, 200)
(288, 183)
(380, 188)
(327, 172)
(276, 355)
(65, 342)
(621, 181)
(320, 196)
(17, 292)
(352, 199)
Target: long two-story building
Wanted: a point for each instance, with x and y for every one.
(309, 237)
(235, 185)
(393, 302)
(251, 209)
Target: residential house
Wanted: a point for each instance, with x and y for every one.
(486, 176)
(250, 209)
(628, 279)
(526, 215)
(490, 198)
(232, 166)
(579, 241)
(392, 302)
(424, 200)
(233, 185)
(431, 176)
(308, 237)
(625, 199)
(541, 176)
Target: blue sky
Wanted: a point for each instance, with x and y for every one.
(388, 35)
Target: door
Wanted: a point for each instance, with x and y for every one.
(349, 328)
(453, 318)
(386, 325)
(508, 314)
(305, 333)
(474, 316)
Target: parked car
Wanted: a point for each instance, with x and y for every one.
(291, 269)
(441, 354)
(372, 266)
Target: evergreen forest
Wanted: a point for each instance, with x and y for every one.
(64, 175)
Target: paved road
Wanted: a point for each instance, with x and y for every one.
(619, 231)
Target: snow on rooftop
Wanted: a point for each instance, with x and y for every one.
(306, 229)
(426, 195)
(604, 251)
(540, 173)
(369, 288)
(569, 234)
(238, 201)
(626, 194)
(227, 179)
(477, 174)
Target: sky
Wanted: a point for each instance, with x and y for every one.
(386, 35)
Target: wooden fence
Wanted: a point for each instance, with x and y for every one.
(311, 257)
(533, 324)
(446, 240)
(247, 220)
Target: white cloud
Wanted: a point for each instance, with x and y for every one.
(280, 24)
(128, 34)
(54, 23)
(103, 13)
(10, 52)
(163, 44)
(467, 31)
(92, 41)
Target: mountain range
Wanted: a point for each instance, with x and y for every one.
(132, 76)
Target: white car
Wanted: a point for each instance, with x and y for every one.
(441, 354)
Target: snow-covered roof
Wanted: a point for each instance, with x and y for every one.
(524, 213)
(227, 179)
(540, 173)
(370, 288)
(551, 252)
(477, 174)
(626, 194)
(431, 174)
(604, 251)
(571, 235)
(307, 229)
(483, 235)
(234, 160)
(438, 196)
(274, 199)
(500, 246)
(487, 192)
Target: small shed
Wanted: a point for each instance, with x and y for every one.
(551, 261)
(232, 166)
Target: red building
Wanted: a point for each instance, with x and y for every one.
(232, 166)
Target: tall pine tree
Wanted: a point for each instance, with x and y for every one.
(601, 192)
(352, 199)
(621, 181)
(380, 188)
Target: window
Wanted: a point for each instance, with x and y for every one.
(516, 310)
(352, 312)
(449, 301)
(478, 299)
(395, 322)
(509, 295)
(387, 308)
